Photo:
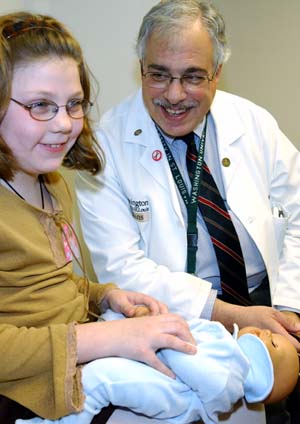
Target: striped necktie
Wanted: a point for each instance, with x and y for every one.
(221, 230)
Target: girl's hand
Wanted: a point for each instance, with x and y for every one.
(135, 338)
(126, 302)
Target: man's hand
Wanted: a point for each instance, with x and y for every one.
(284, 323)
(294, 320)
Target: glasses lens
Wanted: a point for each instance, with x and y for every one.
(157, 79)
(195, 80)
(162, 80)
(43, 111)
(78, 108)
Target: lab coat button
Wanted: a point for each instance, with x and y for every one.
(250, 219)
(138, 132)
(226, 162)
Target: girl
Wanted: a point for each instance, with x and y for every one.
(46, 312)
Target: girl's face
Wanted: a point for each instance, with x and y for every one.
(40, 146)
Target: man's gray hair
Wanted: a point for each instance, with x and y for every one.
(168, 17)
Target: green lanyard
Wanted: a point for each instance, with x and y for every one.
(190, 200)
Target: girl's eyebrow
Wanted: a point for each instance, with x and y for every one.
(45, 93)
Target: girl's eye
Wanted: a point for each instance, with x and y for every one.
(40, 105)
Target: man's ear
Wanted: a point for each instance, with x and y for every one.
(218, 72)
(141, 67)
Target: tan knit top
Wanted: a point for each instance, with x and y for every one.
(40, 302)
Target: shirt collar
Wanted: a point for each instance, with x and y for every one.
(198, 130)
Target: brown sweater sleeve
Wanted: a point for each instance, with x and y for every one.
(48, 355)
(97, 291)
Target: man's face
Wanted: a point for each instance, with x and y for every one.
(178, 108)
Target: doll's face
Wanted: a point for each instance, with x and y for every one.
(284, 358)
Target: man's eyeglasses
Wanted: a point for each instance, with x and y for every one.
(44, 110)
(162, 80)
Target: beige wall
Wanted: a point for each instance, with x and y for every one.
(264, 36)
(106, 30)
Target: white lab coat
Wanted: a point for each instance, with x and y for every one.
(131, 217)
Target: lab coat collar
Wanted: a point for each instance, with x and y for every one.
(223, 114)
(140, 129)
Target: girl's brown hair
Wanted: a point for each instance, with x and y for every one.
(26, 37)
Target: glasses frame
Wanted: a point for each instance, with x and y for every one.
(181, 79)
(57, 107)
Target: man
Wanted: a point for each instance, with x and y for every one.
(138, 219)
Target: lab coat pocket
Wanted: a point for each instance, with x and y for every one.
(280, 223)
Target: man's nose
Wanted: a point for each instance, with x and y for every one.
(175, 91)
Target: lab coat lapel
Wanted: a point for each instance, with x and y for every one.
(228, 135)
(241, 192)
(229, 139)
